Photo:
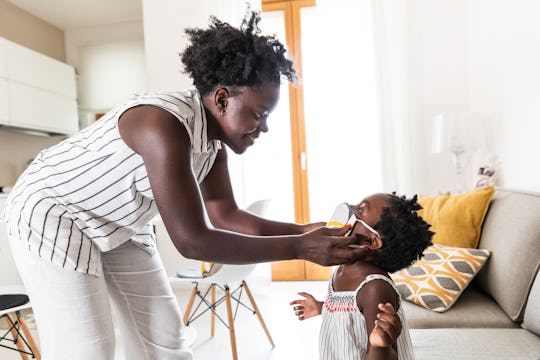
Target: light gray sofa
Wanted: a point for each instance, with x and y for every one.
(498, 315)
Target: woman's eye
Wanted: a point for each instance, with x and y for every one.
(260, 116)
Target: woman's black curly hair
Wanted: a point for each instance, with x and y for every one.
(223, 55)
(404, 233)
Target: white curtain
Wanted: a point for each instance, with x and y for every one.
(395, 93)
(341, 111)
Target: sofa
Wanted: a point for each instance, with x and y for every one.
(497, 316)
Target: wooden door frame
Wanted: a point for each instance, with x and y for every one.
(291, 11)
(296, 269)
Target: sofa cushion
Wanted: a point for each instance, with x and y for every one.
(474, 309)
(437, 280)
(531, 318)
(512, 232)
(456, 219)
(475, 344)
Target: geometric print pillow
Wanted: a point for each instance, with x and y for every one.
(440, 276)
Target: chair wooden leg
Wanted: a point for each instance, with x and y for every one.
(213, 315)
(252, 300)
(231, 323)
(14, 334)
(29, 338)
(190, 304)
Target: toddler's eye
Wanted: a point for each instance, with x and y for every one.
(357, 211)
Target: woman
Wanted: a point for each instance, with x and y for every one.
(78, 216)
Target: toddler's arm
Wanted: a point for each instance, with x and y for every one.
(307, 307)
(377, 301)
(387, 327)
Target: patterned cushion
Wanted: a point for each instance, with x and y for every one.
(436, 281)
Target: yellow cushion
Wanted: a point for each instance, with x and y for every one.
(456, 219)
(436, 281)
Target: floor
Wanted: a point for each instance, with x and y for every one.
(293, 339)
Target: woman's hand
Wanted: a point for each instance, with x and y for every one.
(307, 307)
(387, 327)
(326, 246)
(311, 226)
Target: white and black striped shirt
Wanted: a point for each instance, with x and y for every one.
(90, 193)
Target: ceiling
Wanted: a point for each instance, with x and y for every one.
(72, 14)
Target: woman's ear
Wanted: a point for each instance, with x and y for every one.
(221, 98)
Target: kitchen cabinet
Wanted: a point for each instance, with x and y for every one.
(9, 275)
(4, 101)
(36, 91)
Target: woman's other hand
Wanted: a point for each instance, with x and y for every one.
(307, 307)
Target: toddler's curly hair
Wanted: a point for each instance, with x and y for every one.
(223, 55)
(404, 233)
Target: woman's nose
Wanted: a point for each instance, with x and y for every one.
(263, 126)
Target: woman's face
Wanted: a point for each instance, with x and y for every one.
(245, 115)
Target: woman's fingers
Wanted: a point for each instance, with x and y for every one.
(327, 247)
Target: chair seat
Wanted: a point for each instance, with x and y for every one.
(12, 300)
(11, 306)
(190, 273)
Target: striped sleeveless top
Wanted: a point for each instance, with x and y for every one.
(90, 193)
(343, 333)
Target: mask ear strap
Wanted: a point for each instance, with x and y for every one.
(370, 228)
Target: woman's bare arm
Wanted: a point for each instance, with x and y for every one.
(225, 214)
(164, 145)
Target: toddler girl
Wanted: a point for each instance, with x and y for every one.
(359, 321)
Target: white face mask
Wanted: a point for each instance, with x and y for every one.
(344, 215)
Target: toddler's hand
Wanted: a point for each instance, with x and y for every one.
(307, 307)
(387, 327)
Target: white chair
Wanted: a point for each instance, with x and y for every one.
(229, 280)
(11, 306)
(13, 300)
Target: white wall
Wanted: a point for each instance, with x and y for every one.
(505, 83)
(480, 56)
(109, 73)
(164, 24)
(110, 63)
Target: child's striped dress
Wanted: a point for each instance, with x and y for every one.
(343, 332)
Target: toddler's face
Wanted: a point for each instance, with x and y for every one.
(368, 213)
